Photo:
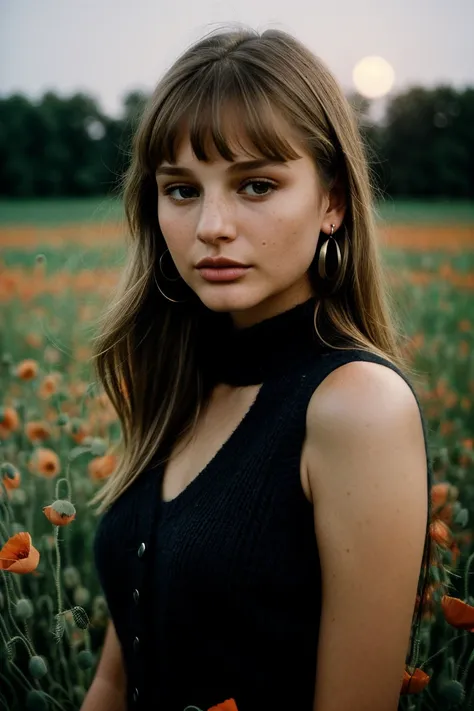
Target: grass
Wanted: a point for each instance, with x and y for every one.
(53, 212)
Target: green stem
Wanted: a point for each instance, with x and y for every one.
(10, 613)
(17, 582)
(466, 577)
(440, 651)
(58, 569)
(466, 670)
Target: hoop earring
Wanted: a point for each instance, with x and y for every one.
(322, 259)
(175, 301)
(161, 268)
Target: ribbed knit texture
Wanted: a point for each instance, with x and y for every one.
(225, 600)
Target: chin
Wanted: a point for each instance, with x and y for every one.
(229, 298)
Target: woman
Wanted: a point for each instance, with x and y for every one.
(266, 531)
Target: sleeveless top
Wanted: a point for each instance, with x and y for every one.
(216, 594)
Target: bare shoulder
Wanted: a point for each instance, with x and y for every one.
(361, 392)
(362, 415)
(367, 469)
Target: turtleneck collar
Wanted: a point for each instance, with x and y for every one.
(251, 355)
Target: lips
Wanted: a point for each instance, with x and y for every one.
(220, 263)
(222, 274)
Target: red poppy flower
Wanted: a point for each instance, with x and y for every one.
(458, 613)
(414, 682)
(18, 555)
(228, 705)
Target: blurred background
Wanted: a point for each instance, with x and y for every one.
(73, 79)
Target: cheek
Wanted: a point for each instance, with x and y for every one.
(176, 229)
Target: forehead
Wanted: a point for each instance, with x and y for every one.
(230, 136)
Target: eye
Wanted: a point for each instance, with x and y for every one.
(261, 187)
(183, 192)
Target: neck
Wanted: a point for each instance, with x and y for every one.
(249, 355)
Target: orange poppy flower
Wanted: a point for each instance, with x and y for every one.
(440, 494)
(9, 422)
(78, 431)
(18, 555)
(49, 385)
(101, 467)
(60, 513)
(458, 613)
(51, 355)
(414, 682)
(36, 431)
(46, 463)
(34, 340)
(464, 326)
(440, 533)
(446, 428)
(10, 476)
(228, 705)
(455, 553)
(27, 369)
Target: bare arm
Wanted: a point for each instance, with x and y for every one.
(367, 471)
(108, 690)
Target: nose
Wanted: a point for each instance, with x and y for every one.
(216, 220)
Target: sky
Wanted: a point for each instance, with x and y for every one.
(109, 47)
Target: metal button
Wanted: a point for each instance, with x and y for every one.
(135, 696)
(136, 596)
(136, 644)
(141, 550)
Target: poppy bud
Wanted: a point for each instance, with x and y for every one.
(37, 667)
(24, 609)
(80, 617)
(452, 691)
(85, 659)
(71, 577)
(81, 595)
(60, 513)
(98, 447)
(36, 701)
(7, 469)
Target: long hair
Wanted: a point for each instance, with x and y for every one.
(146, 352)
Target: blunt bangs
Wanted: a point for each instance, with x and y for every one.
(219, 111)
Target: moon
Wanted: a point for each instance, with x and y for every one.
(373, 77)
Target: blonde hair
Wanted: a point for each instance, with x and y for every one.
(145, 354)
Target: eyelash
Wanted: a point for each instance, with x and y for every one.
(168, 189)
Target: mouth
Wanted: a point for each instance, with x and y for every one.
(223, 274)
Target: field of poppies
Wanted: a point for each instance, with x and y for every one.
(57, 431)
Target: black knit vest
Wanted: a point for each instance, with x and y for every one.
(217, 594)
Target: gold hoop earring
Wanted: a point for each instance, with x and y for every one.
(161, 268)
(322, 259)
(175, 301)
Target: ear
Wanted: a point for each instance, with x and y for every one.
(336, 208)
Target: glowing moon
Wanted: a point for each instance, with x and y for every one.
(373, 77)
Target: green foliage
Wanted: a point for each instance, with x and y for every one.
(60, 147)
(59, 616)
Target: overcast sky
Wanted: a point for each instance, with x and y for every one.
(107, 47)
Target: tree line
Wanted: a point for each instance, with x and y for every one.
(67, 146)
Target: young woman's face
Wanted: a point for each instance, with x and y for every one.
(268, 218)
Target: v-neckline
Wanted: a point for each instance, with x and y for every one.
(231, 446)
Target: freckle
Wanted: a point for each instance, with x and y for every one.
(347, 550)
(264, 244)
(348, 493)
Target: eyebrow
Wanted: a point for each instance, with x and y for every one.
(238, 167)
